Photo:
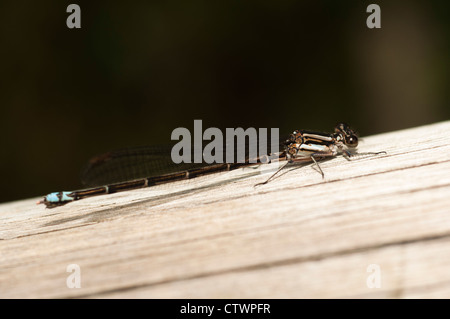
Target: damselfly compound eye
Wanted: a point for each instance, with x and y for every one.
(340, 128)
(351, 141)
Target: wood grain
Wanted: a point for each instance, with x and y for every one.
(219, 236)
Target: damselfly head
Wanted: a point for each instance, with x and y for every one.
(346, 134)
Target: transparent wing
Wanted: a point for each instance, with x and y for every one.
(140, 162)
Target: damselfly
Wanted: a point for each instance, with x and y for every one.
(300, 146)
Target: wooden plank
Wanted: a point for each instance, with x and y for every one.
(219, 236)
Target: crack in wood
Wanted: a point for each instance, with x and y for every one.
(259, 266)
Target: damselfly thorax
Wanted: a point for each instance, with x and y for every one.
(308, 143)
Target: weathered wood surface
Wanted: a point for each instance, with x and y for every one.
(219, 237)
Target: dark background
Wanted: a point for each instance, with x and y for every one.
(137, 70)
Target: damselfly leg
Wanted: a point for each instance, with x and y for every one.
(351, 156)
(312, 158)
